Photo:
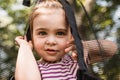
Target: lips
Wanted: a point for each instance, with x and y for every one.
(51, 51)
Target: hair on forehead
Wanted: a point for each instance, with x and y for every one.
(49, 4)
(44, 4)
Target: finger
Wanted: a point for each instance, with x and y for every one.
(30, 43)
(74, 55)
(16, 43)
(18, 38)
(25, 38)
(70, 48)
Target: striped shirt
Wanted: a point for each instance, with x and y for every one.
(66, 69)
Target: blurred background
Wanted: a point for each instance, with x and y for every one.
(105, 15)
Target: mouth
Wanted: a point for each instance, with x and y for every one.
(51, 51)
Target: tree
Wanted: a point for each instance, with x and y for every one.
(14, 17)
(12, 23)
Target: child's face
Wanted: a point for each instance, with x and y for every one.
(50, 34)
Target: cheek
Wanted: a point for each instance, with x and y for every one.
(62, 44)
(37, 44)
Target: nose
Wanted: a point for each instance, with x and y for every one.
(51, 40)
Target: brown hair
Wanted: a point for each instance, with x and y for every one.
(48, 4)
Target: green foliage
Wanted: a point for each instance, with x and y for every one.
(112, 68)
(13, 24)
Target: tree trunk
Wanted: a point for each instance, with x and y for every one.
(89, 5)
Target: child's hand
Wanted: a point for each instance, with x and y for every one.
(72, 50)
(20, 41)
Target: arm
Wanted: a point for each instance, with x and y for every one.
(92, 49)
(108, 49)
(26, 66)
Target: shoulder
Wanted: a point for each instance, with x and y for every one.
(68, 59)
(65, 62)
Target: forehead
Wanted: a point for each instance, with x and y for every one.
(45, 11)
(49, 17)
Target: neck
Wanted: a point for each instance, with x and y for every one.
(45, 61)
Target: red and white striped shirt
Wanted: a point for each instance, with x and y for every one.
(66, 69)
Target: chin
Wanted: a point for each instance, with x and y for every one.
(51, 60)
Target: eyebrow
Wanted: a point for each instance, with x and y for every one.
(40, 29)
(62, 30)
(59, 29)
